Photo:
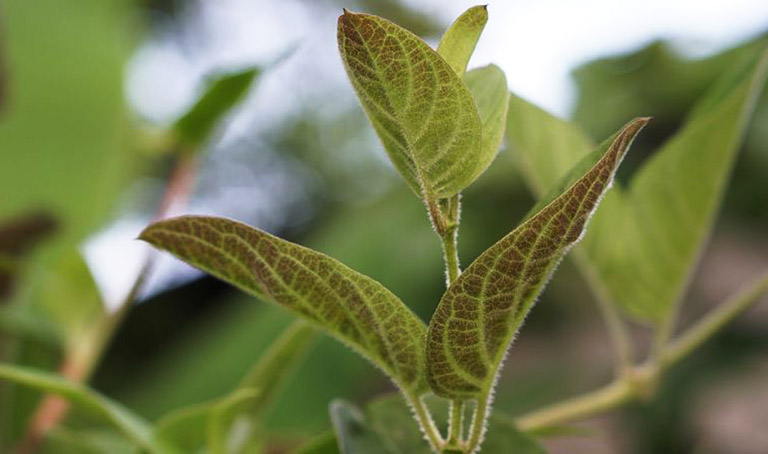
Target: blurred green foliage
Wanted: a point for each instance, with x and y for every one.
(66, 148)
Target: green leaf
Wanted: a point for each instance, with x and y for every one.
(223, 93)
(489, 88)
(95, 441)
(185, 428)
(269, 376)
(482, 310)
(191, 429)
(459, 41)
(132, 425)
(223, 418)
(70, 299)
(352, 307)
(645, 241)
(353, 432)
(325, 443)
(273, 369)
(422, 111)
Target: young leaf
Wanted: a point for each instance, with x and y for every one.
(223, 92)
(422, 111)
(352, 431)
(666, 214)
(459, 41)
(352, 307)
(482, 310)
(132, 425)
(489, 88)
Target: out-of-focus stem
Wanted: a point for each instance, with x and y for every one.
(640, 381)
(713, 322)
(81, 358)
(592, 403)
(616, 327)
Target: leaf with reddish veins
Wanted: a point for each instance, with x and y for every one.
(482, 310)
(350, 306)
(422, 111)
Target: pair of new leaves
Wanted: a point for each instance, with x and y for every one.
(441, 130)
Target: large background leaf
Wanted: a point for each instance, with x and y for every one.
(667, 212)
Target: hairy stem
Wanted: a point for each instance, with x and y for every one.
(456, 424)
(479, 421)
(713, 322)
(451, 254)
(426, 423)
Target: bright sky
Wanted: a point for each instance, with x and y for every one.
(537, 43)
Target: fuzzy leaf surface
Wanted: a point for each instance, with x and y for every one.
(422, 111)
(350, 306)
(223, 92)
(459, 41)
(482, 310)
(644, 242)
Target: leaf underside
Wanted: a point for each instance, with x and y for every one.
(422, 111)
(667, 212)
(352, 307)
(482, 310)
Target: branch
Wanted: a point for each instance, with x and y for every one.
(713, 322)
(640, 381)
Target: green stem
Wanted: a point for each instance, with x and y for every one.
(640, 381)
(616, 327)
(456, 424)
(713, 322)
(610, 396)
(479, 421)
(451, 254)
(449, 239)
(427, 424)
